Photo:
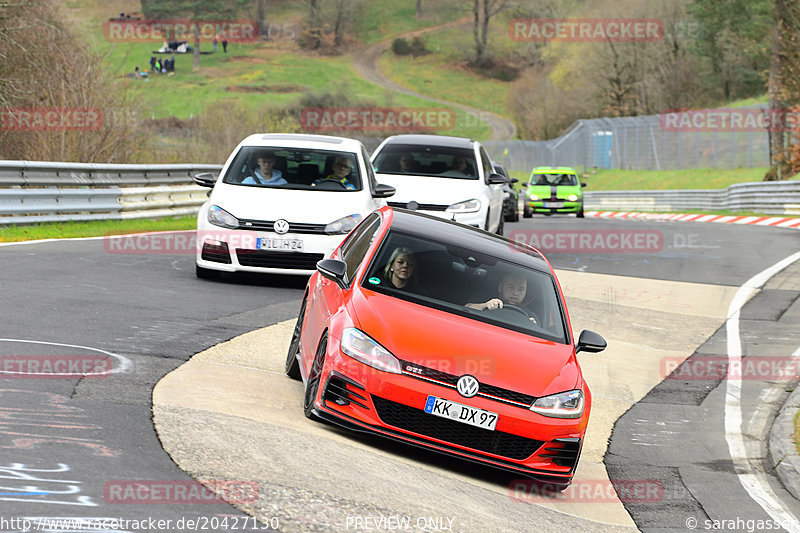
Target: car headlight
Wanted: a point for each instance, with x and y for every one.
(533, 197)
(562, 405)
(572, 198)
(469, 206)
(343, 225)
(220, 217)
(362, 347)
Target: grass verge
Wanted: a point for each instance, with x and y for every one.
(95, 228)
(659, 180)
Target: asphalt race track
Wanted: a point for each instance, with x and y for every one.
(687, 449)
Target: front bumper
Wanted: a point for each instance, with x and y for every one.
(228, 250)
(554, 206)
(364, 399)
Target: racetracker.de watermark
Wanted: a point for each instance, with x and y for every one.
(591, 240)
(742, 119)
(718, 368)
(537, 30)
(54, 366)
(148, 31)
(179, 492)
(50, 119)
(589, 491)
(377, 119)
(183, 242)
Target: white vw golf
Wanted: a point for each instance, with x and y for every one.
(447, 177)
(282, 202)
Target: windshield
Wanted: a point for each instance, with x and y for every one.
(468, 283)
(293, 168)
(554, 179)
(436, 161)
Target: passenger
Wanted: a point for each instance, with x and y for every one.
(511, 290)
(341, 169)
(265, 174)
(407, 163)
(400, 270)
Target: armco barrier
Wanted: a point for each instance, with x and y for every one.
(769, 198)
(35, 191)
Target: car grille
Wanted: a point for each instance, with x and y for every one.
(217, 253)
(294, 227)
(563, 452)
(420, 207)
(296, 260)
(418, 421)
(340, 391)
(449, 380)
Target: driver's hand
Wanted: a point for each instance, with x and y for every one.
(533, 319)
(494, 303)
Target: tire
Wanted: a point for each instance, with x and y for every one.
(579, 214)
(312, 384)
(205, 273)
(486, 224)
(526, 212)
(292, 367)
(500, 226)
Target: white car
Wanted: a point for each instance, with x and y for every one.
(448, 177)
(282, 202)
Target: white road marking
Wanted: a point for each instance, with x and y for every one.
(124, 362)
(756, 485)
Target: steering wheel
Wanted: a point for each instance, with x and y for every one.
(331, 180)
(527, 314)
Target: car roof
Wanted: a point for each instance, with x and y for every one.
(303, 140)
(467, 237)
(554, 170)
(432, 140)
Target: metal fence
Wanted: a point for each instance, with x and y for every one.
(654, 142)
(34, 191)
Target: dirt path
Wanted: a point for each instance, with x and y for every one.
(366, 58)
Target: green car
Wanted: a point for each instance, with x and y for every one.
(553, 190)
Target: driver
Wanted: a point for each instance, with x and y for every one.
(511, 291)
(341, 169)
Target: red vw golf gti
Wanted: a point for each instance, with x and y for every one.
(447, 337)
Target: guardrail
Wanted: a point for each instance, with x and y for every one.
(769, 198)
(33, 191)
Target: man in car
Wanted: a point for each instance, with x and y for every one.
(341, 170)
(511, 290)
(265, 174)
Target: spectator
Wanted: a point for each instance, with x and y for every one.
(225, 45)
(215, 44)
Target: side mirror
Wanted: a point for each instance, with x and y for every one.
(497, 179)
(333, 269)
(514, 180)
(206, 179)
(583, 184)
(589, 341)
(383, 191)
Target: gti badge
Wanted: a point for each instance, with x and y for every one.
(281, 226)
(467, 386)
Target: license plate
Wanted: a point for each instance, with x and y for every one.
(288, 245)
(552, 204)
(461, 413)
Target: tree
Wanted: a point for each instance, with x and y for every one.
(732, 36)
(482, 12)
(783, 85)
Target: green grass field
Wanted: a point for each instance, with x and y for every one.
(61, 230)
